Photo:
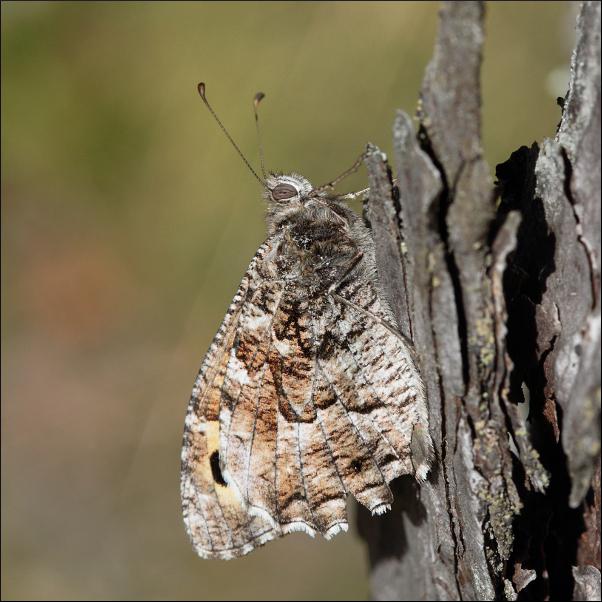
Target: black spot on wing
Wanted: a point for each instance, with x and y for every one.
(216, 471)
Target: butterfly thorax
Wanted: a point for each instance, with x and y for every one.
(315, 235)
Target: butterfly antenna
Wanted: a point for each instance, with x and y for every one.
(201, 89)
(256, 100)
(346, 173)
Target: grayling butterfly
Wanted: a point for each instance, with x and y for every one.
(308, 392)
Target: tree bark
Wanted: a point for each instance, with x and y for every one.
(498, 286)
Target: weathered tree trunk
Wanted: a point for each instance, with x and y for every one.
(499, 288)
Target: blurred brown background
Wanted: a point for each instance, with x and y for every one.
(127, 224)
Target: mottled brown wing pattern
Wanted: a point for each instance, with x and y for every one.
(270, 437)
(308, 392)
(217, 523)
(373, 368)
(321, 399)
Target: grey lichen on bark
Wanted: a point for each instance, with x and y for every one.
(498, 287)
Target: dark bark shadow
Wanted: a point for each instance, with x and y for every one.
(386, 535)
(546, 530)
(528, 269)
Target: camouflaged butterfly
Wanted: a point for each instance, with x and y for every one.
(308, 392)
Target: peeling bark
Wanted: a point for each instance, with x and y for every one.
(499, 289)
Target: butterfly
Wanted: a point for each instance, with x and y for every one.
(308, 392)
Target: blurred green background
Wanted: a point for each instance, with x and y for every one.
(127, 223)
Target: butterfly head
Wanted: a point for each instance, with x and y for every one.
(287, 189)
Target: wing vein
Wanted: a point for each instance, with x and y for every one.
(269, 332)
(376, 396)
(357, 431)
(318, 417)
(311, 512)
(199, 507)
(258, 393)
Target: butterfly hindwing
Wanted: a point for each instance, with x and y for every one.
(312, 409)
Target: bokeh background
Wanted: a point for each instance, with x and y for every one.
(127, 222)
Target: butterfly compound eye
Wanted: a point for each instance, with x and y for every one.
(283, 192)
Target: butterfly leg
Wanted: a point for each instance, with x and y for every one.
(362, 195)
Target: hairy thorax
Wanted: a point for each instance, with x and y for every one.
(315, 248)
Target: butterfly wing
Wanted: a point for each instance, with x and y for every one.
(373, 366)
(216, 521)
(321, 399)
(270, 434)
